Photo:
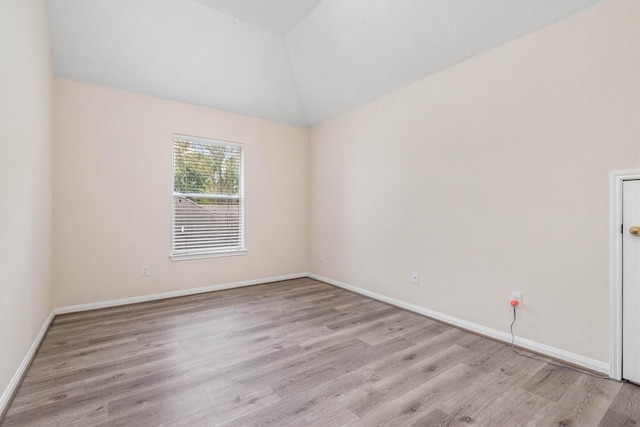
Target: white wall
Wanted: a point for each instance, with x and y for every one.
(25, 174)
(113, 185)
(488, 177)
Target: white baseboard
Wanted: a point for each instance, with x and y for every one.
(575, 359)
(173, 294)
(20, 372)
(569, 357)
(17, 377)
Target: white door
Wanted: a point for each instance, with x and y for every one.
(631, 280)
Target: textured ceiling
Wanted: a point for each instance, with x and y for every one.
(294, 61)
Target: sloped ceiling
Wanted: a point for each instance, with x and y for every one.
(277, 16)
(294, 61)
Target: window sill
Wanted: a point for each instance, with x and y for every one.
(184, 257)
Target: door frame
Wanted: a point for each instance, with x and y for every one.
(615, 268)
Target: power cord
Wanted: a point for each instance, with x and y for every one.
(551, 362)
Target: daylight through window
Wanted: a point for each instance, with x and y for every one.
(207, 198)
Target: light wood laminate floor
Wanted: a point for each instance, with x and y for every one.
(298, 352)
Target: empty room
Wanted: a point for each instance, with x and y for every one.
(320, 213)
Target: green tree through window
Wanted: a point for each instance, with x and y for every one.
(207, 214)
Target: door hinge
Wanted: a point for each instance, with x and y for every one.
(621, 228)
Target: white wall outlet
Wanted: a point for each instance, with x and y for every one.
(516, 296)
(323, 258)
(144, 271)
(415, 277)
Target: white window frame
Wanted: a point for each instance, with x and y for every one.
(187, 254)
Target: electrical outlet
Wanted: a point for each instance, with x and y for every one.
(415, 277)
(518, 297)
(144, 271)
(323, 258)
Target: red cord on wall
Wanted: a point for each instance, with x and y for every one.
(515, 302)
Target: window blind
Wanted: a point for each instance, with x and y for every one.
(207, 197)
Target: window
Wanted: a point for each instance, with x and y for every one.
(207, 198)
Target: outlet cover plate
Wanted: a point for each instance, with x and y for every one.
(517, 296)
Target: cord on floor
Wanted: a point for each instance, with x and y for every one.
(513, 339)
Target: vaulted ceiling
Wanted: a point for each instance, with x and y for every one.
(294, 61)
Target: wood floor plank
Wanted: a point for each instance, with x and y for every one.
(33, 384)
(552, 382)
(288, 369)
(422, 400)
(326, 336)
(296, 353)
(435, 418)
(336, 366)
(514, 407)
(186, 407)
(288, 410)
(627, 402)
(584, 403)
(233, 405)
(384, 387)
(613, 418)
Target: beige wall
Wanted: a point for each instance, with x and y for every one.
(25, 174)
(113, 185)
(488, 177)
